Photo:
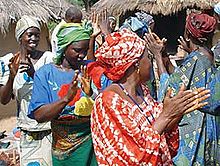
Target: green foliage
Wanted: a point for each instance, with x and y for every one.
(77, 2)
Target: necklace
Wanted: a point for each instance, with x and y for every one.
(124, 90)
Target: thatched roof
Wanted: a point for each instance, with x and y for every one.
(12, 10)
(164, 7)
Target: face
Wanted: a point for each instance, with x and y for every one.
(145, 67)
(30, 38)
(186, 34)
(76, 51)
(151, 26)
(112, 25)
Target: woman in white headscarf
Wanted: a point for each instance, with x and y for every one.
(16, 79)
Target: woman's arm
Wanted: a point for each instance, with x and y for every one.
(175, 107)
(90, 53)
(160, 64)
(96, 32)
(156, 46)
(6, 91)
(43, 111)
(50, 111)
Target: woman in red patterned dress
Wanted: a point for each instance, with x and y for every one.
(128, 126)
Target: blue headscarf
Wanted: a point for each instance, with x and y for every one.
(138, 24)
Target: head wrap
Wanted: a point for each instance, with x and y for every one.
(69, 33)
(138, 24)
(217, 8)
(24, 23)
(112, 18)
(120, 50)
(145, 18)
(200, 26)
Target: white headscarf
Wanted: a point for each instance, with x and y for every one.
(217, 8)
(24, 23)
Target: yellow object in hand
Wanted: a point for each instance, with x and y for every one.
(83, 107)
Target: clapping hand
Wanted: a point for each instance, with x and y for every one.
(184, 102)
(185, 44)
(154, 44)
(14, 64)
(100, 23)
(27, 66)
(85, 80)
(95, 24)
(104, 22)
(73, 87)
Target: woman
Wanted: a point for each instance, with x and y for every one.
(128, 126)
(57, 98)
(198, 130)
(17, 81)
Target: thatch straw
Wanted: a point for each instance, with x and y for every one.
(164, 7)
(45, 10)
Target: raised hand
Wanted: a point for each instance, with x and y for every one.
(27, 66)
(72, 88)
(104, 22)
(14, 64)
(95, 24)
(85, 81)
(185, 44)
(154, 43)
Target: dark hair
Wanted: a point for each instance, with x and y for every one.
(73, 14)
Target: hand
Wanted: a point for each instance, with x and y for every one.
(95, 25)
(14, 65)
(27, 66)
(72, 88)
(154, 43)
(85, 81)
(104, 22)
(181, 53)
(185, 44)
(184, 102)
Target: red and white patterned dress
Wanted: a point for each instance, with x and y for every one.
(123, 136)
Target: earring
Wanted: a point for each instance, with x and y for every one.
(138, 70)
(138, 67)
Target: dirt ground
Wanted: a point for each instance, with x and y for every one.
(8, 117)
(10, 155)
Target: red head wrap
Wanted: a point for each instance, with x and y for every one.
(119, 51)
(200, 25)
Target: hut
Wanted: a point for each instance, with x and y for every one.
(169, 15)
(11, 11)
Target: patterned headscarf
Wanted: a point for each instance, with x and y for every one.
(138, 24)
(144, 17)
(120, 50)
(217, 8)
(24, 23)
(200, 25)
(69, 33)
